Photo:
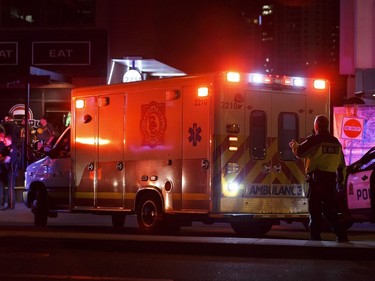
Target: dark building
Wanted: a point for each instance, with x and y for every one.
(59, 44)
(49, 46)
(299, 37)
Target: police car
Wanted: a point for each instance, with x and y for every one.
(360, 188)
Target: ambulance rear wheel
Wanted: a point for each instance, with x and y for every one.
(39, 208)
(118, 220)
(149, 214)
(251, 228)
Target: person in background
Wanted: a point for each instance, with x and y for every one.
(2, 136)
(11, 128)
(2, 129)
(2, 186)
(324, 159)
(46, 132)
(8, 163)
(23, 129)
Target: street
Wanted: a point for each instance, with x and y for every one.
(61, 260)
(87, 247)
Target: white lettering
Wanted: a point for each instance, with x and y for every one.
(60, 53)
(352, 128)
(6, 53)
(292, 190)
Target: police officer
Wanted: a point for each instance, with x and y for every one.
(324, 159)
(8, 163)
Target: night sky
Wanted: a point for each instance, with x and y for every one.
(193, 36)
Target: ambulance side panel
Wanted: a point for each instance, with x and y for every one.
(153, 146)
(196, 155)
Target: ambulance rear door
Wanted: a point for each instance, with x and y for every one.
(110, 165)
(84, 151)
(288, 122)
(274, 178)
(98, 152)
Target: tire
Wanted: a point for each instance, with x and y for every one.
(149, 214)
(251, 228)
(118, 220)
(40, 209)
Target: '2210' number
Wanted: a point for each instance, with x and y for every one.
(200, 102)
(230, 105)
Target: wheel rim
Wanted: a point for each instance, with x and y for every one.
(149, 213)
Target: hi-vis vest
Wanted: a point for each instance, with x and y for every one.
(321, 152)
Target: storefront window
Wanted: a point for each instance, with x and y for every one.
(26, 13)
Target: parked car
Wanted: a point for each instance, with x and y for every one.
(360, 188)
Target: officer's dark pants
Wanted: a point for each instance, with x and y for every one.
(322, 202)
(10, 194)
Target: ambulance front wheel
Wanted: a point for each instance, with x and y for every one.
(251, 228)
(149, 214)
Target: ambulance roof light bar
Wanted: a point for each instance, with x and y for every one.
(233, 77)
(277, 81)
(320, 84)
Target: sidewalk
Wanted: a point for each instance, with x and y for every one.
(356, 249)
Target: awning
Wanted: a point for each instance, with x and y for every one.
(146, 66)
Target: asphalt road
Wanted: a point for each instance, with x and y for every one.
(87, 247)
(19, 222)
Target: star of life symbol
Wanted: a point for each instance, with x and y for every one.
(195, 136)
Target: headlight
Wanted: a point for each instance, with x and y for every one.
(233, 187)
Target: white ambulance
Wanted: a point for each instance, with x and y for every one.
(210, 148)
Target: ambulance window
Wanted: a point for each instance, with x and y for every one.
(258, 132)
(288, 130)
(62, 147)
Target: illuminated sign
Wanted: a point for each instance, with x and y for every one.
(132, 75)
(352, 128)
(18, 112)
(8, 53)
(61, 53)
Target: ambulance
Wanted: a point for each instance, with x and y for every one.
(209, 148)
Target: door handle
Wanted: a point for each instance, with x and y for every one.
(205, 164)
(91, 166)
(266, 167)
(277, 168)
